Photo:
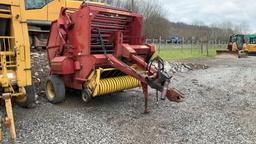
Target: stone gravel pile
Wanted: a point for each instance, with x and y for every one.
(219, 107)
(177, 67)
(40, 71)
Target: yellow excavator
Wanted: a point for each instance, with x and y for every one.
(240, 45)
(250, 46)
(236, 46)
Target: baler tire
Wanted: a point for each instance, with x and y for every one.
(86, 95)
(55, 89)
(29, 99)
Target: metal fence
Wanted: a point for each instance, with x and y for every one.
(204, 48)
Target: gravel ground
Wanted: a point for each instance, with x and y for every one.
(219, 108)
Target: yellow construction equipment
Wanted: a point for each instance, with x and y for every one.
(250, 46)
(101, 86)
(15, 72)
(236, 46)
(40, 14)
(17, 18)
(240, 45)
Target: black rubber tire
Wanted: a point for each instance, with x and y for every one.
(55, 89)
(30, 98)
(86, 95)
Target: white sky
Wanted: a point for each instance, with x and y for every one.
(212, 11)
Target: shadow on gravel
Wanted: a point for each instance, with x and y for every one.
(74, 100)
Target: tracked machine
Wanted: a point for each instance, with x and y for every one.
(250, 46)
(100, 50)
(236, 47)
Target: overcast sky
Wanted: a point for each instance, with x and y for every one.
(212, 11)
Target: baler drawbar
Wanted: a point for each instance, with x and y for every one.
(99, 50)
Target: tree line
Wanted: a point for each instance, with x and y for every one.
(155, 23)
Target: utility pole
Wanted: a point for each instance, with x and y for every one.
(132, 5)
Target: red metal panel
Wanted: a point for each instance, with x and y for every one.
(136, 31)
(113, 11)
(81, 38)
(80, 35)
(62, 65)
(88, 63)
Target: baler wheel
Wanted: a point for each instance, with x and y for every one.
(86, 95)
(55, 89)
(27, 101)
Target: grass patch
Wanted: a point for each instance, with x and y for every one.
(179, 54)
(185, 53)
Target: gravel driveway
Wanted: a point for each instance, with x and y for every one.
(219, 107)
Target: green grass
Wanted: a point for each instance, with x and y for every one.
(171, 53)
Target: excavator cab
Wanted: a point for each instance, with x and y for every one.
(236, 42)
(236, 47)
(250, 47)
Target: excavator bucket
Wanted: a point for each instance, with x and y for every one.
(236, 48)
(230, 54)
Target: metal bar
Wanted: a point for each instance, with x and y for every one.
(109, 21)
(1, 130)
(5, 10)
(38, 31)
(9, 44)
(110, 24)
(4, 45)
(1, 45)
(110, 31)
(39, 22)
(5, 16)
(4, 80)
(8, 106)
(113, 61)
(108, 27)
(113, 11)
(145, 91)
(8, 49)
(103, 35)
(7, 53)
(99, 46)
(10, 66)
(4, 37)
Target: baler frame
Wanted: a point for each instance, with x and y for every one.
(95, 38)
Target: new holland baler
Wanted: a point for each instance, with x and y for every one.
(100, 50)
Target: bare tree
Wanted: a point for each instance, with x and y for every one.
(154, 22)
